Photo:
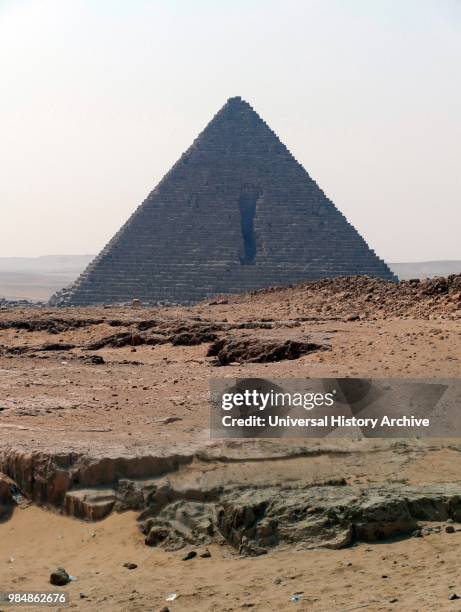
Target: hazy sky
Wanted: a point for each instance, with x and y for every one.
(99, 97)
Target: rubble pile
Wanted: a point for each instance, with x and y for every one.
(362, 297)
(4, 304)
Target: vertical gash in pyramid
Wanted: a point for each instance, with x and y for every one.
(237, 212)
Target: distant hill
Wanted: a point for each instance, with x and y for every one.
(37, 278)
(47, 264)
(425, 269)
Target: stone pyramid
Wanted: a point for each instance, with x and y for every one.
(237, 212)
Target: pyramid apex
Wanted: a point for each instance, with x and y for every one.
(236, 100)
(236, 105)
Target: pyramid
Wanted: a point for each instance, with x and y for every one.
(237, 212)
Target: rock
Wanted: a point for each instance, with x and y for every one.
(89, 504)
(156, 535)
(206, 554)
(117, 340)
(60, 577)
(192, 338)
(190, 555)
(449, 529)
(52, 346)
(130, 566)
(93, 359)
(454, 596)
(254, 520)
(259, 350)
(128, 496)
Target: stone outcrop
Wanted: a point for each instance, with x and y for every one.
(178, 508)
(253, 520)
(259, 350)
(236, 213)
(91, 504)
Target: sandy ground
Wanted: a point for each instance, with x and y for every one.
(121, 405)
(53, 401)
(417, 574)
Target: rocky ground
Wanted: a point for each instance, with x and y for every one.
(104, 415)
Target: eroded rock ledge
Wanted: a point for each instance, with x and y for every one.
(176, 510)
(252, 520)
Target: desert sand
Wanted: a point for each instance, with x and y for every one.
(104, 415)
(410, 574)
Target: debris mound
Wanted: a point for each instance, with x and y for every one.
(363, 297)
